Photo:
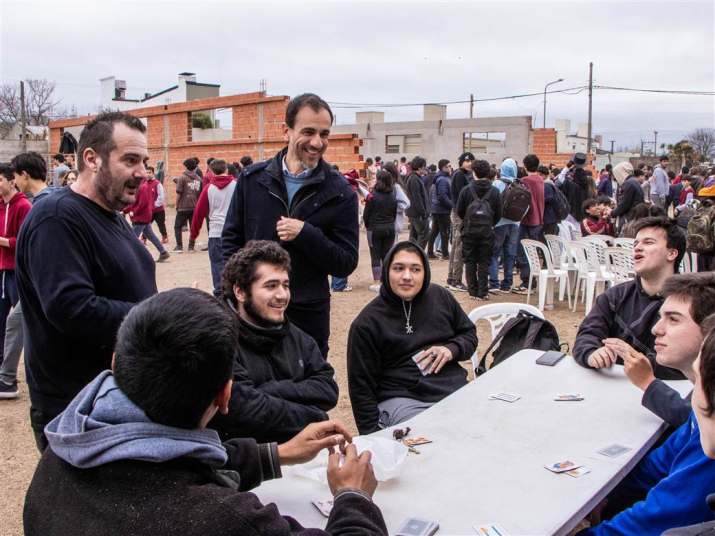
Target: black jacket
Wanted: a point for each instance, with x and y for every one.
(631, 195)
(380, 210)
(487, 191)
(576, 190)
(328, 243)
(625, 312)
(667, 403)
(460, 179)
(183, 496)
(440, 195)
(417, 194)
(380, 351)
(281, 383)
(80, 269)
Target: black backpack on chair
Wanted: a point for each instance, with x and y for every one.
(522, 331)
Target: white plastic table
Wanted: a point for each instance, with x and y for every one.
(486, 464)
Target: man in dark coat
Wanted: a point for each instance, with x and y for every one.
(131, 454)
(296, 198)
(281, 383)
(418, 211)
(405, 345)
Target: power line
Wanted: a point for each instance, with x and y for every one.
(669, 91)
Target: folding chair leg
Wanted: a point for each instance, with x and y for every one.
(528, 292)
(543, 284)
(590, 292)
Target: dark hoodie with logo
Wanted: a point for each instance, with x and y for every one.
(380, 350)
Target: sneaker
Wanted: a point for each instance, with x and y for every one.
(375, 287)
(163, 256)
(346, 289)
(521, 289)
(495, 290)
(457, 287)
(205, 248)
(177, 249)
(478, 298)
(8, 390)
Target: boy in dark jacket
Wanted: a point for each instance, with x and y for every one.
(418, 211)
(379, 216)
(188, 188)
(281, 381)
(404, 346)
(441, 207)
(131, 454)
(478, 229)
(630, 310)
(630, 195)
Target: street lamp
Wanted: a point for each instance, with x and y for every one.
(545, 87)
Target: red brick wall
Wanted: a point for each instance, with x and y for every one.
(543, 145)
(247, 110)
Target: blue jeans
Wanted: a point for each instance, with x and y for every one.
(506, 239)
(146, 230)
(533, 232)
(338, 284)
(216, 260)
(8, 299)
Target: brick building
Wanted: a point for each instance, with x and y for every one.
(543, 145)
(257, 131)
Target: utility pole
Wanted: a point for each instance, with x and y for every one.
(23, 119)
(655, 143)
(641, 147)
(590, 105)
(471, 106)
(612, 142)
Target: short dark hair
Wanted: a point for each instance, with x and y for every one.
(378, 159)
(403, 159)
(98, 134)
(432, 168)
(232, 169)
(481, 169)
(246, 161)
(190, 164)
(7, 171)
(699, 287)
(443, 163)
(685, 170)
(174, 353)
(603, 200)
(521, 172)
(609, 167)
(218, 166)
(707, 365)
(531, 162)
(390, 168)
(664, 158)
(418, 163)
(240, 270)
(150, 168)
(31, 163)
(59, 157)
(384, 181)
(675, 238)
(368, 161)
(638, 172)
(542, 170)
(296, 104)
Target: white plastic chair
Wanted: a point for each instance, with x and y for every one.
(620, 264)
(689, 263)
(557, 247)
(497, 315)
(598, 238)
(624, 242)
(590, 272)
(532, 249)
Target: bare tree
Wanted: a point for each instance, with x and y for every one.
(703, 141)
(40, 105)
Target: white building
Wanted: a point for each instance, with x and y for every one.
(574, 143)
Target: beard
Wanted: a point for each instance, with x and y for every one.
(111, 190)
(255, 316)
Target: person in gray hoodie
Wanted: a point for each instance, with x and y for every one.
(131, 454)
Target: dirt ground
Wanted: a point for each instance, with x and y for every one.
(18, 455)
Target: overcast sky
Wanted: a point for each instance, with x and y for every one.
(396, 52)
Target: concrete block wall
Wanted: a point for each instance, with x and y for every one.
(257, 132)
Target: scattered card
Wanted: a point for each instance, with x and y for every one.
(424, 370)
(506, 397)
(562, 467)
(568, 397)
(490, 529)
(415, 441)
(579, 471)
(324, 507)
(614, 450)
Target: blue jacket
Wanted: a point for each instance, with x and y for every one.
(328, 242)
(677, 478)
(441, 194)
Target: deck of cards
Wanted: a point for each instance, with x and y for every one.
(506, 397)
(568, 397)
(613, 450)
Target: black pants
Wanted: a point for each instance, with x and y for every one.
(477, 255)
(440, 224)
(419, 231)
(38, 421)
(182, 218)
(551, 228)
(160, 219)
(382, 240)
(314, 319)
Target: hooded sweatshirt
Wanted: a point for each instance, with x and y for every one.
(380, 350)
(143, 208)
(188, 187)
(12, 215)
(214, 202)
(507, 175)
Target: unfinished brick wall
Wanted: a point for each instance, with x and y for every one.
(543, 145)
(257, 132)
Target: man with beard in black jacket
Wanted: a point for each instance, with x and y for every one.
(281, 383)
(132, 453)
(405, 345)
(297, 199)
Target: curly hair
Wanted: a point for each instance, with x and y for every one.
(240, 270)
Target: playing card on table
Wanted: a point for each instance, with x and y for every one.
(568, 397)
(324, 507)
(614, 450)
(491, 529)
(579, 471)
(506, 397)
(415, 441)
(562, 467)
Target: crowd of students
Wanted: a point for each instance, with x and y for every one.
(157, 412)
